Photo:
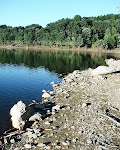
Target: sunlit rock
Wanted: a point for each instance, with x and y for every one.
(45, 95)
(101, 70)
(35, 116)
(20, 114)
(115, 64)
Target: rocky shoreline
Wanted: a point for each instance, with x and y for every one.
(82, 113)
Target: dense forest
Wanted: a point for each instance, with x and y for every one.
(101, 31)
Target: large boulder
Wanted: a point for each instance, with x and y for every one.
(115, 64)
(20, 114)
(101, 70)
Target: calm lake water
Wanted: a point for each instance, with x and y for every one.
(24, 74)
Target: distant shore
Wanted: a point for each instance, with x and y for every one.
(38, 47)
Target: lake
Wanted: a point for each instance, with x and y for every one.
(24, 74)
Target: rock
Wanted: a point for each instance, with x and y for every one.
(33, 101)
(51, 93)
(47, 122)
(65, 143)
(115, 64)
(52, 83)
(84, 105)
(28, 146)
(44, 91)
(47, 147)
(17, 149)
(45, 95)
(34, 136)
(102, 70)
(16, 112)
(35, 116)
(5, 140)
(76, 72)
(89, 141)
(12, 141)
(20, 114)
(41, 145)
(57, 107)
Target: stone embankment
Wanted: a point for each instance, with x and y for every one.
(82, 113)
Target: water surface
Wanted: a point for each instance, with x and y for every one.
(24, 74)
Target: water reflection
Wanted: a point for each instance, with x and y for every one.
(55, 61)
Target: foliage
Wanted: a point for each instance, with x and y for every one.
(76, 32)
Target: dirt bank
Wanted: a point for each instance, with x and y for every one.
(82, 113)
(38, 48)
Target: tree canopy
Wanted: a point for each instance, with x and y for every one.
(103, 31)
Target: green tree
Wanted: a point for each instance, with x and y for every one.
(86, 35)
(109, 39)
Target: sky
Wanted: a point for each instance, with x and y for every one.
(42, 12)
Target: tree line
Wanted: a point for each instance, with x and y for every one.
(101, 31)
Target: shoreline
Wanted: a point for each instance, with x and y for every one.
(84, 49)
(82, 112)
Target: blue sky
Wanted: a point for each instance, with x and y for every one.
(42, 12)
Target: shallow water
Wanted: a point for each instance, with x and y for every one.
(24, 74)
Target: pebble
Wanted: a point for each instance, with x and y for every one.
(89, 141)
(84, 105)
(28, 146)
(47, 123)
(12, 141)
(57, 107)
(65, 143)
(41, 145)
